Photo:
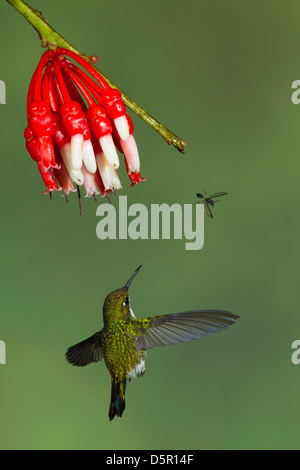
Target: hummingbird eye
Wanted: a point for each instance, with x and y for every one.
(126, 301)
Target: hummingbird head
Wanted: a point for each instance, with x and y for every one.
(117, 304)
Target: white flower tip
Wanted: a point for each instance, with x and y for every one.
(77, 176)
(89, 182)
(131, 154)
(77, 151)
(94, 193)
(108, 174)
(109, 150)
(89, 156)
(122, 127)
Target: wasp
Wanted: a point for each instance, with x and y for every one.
(209, 201)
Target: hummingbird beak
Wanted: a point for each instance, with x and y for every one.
(132, 277)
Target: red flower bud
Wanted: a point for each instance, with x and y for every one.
(74, 122)
(49, 179)
(113, 102)
(40, 121)
(99, 122)
(59, 136)
(32, 144)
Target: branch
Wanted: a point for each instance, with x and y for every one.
(51, 39)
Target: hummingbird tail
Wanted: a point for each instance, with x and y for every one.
(117, 401)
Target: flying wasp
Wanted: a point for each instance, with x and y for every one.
(209, 201)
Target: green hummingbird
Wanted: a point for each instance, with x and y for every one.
(124, 339)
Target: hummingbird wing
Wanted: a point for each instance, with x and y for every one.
(85, 352)
(162, 330)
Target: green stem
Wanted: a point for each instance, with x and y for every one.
(51, 39)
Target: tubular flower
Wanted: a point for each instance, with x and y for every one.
(76, 124)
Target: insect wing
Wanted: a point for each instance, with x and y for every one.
(207, 210)
(223, 193)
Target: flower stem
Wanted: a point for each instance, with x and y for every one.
(51, 39)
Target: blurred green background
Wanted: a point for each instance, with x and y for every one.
(219, 75)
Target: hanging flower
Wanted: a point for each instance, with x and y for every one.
(76, 123)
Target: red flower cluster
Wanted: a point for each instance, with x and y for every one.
(75, 122)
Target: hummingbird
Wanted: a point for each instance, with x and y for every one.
(124, 340)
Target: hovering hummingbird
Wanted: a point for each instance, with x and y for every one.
(124, 339)
(208, 201)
